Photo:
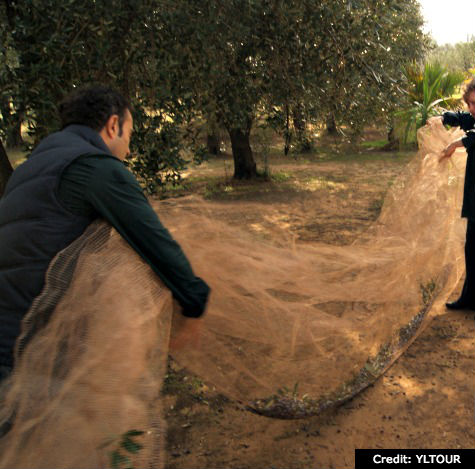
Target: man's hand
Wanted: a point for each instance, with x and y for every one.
(185, 332)
(450, 149)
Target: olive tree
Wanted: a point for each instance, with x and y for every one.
(241, 59)
(233, 62)
(59, 45)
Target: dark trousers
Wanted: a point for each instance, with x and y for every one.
(468, 291)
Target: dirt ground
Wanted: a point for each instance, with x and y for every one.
(425, 400)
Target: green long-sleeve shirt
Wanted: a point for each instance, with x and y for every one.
(102, 186)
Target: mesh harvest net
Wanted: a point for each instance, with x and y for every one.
(290, 329)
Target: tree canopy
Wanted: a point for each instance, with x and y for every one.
(230, 63)
(244, 59)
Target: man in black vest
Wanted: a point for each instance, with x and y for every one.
(73, 177)
(466, 121)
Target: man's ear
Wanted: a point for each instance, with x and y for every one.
(112, 126)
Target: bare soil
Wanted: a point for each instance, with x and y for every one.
(425, 400)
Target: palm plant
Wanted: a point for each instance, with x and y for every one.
(428, 89)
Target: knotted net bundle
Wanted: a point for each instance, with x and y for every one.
(290, 329)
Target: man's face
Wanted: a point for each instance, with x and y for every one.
(120, 143)
(471, 103)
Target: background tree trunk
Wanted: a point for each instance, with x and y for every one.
(5, 168)
(287, 131)
(15, 139)
(298, 119)
(244, 164)
(393, 141)
(212, 143)
(331, 124)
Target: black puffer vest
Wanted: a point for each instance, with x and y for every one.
(34, 226)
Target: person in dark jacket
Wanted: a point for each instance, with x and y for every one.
(466, 121)
(73, 177)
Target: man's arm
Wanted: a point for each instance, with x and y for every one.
(116, 195)
(450, 149)
(455, 119)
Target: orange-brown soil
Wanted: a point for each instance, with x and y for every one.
(425, 400)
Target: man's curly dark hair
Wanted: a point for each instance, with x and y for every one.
(468, 89)
(92, 106)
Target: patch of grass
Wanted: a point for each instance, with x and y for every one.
(173, 190)
(353, 155)
(280, 176)
(362, 157)
(374, 144)
(323, 183)
(176, 187)
(235, 189)
(215, 189)
(177, 381)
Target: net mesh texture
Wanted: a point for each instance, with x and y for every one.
(290, 330)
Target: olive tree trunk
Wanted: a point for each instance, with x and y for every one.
(244, 164)
(331, 124)
(299, 121)
(287, 131)
(393, 141)
(212, 144)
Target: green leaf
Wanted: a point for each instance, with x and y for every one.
(295, 390)
(131, 446)
(116, 459)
